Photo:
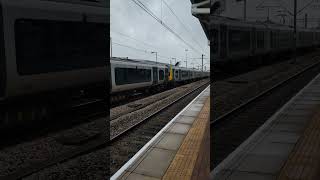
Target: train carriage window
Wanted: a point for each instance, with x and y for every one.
(184, 74)
(132, 75)
(161, 75)
(260, 40)
(51, 46)
(271, 40)
(239, 40)
(214, 41)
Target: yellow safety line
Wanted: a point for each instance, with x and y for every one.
(192, 160)
(304, 159)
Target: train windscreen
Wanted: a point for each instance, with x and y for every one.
(44, 46)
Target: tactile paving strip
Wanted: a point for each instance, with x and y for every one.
(304, 159)
(183, 165)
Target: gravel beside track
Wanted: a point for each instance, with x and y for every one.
(148, 107)
(139, 104)
(17, 161)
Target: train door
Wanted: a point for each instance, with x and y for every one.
(172, 74)
(176, 74)
(254, 40)
(109, 80)
(223, 41)
(278, 38)
(155, 75)
(166, 74)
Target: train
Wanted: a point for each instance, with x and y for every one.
(132, 75)
(235, 41)
(50, 51)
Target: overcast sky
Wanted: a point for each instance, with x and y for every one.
(235, 9)
(127, 19)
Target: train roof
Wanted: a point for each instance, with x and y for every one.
(239, 22)
(258, 24)
(150, 63)
(142, 61)
(93, 9)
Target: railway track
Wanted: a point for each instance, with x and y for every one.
(229, 130)
(75, 114)
(88, 142)
(125, 99)
(126, 143)
(81, 113)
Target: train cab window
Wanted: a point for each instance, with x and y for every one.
(44, 46)
(161, 75)
(132, 75)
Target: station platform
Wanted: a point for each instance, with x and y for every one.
(287, 146)
(179, 151)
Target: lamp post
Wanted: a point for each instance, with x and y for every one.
(156, 56)
(244, 9)
(186, 58)
(202, 62)
(110, 47)
(295, 31)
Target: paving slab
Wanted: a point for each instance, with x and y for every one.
(156, 163)
(180, 128)
(191, 113)
(185, 119)
(170, 141)
(262, 164)
(135, 176)
(247, 175)
(282, 137)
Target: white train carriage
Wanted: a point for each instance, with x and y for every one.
(236, 40)
(130, 74)
(126, 75)
(51, 45)
(185, 74)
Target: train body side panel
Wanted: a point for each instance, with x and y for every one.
(2, 59)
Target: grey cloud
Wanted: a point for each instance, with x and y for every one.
(129, 19)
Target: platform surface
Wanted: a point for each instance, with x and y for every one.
(177, 151)
(285, 147)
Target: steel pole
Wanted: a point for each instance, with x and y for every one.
(295, 31)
